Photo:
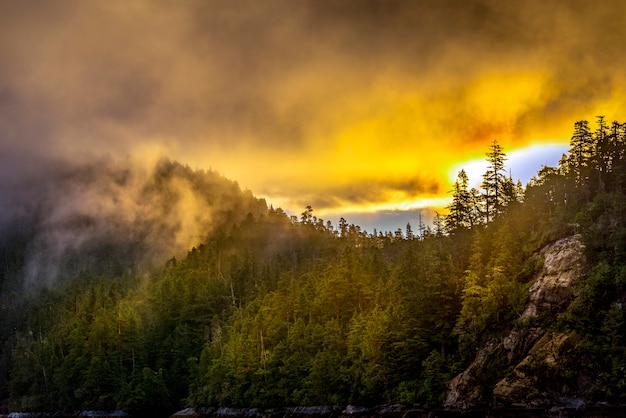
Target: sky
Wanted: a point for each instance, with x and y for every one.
(364, 109)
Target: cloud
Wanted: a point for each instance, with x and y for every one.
(362, 192)
(333, 102)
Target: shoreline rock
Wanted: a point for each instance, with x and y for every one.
(566, 407)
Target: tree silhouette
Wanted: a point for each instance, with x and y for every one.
(494, 182)
(461, 211)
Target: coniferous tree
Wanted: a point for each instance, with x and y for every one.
(617, 145)
(409, 232)
(581, 150)
(438, 225)
(494, 183)
(461, 212)
(343, 227)
(512, 191)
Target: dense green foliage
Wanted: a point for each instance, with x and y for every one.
(274, 310)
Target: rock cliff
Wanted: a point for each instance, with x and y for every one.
(530, 354)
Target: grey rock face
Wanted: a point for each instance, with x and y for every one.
(552, 288)
(526, 350)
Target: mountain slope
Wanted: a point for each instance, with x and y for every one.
(520, 296)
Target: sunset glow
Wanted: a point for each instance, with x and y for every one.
(350, 107)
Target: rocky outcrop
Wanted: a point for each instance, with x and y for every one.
(186, 413)
(522, 385)
(552, 288)
(530, 352)
(324, 411)
(465, 390)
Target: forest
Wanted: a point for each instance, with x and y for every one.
(270, 310)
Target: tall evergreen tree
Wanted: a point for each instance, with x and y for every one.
(494, 182)
(409, 232)
(461, 214)
(581, 150)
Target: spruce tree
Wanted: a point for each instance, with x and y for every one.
(461, 210)
(494, 182)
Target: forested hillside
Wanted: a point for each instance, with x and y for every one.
(269, 310)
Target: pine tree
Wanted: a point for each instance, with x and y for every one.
(460, 215)
(581, 150)
(409, 232)
(494, 182)
(601, 153)
(438, 225)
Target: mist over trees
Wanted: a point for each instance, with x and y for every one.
(109, 217)
(267, 310)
